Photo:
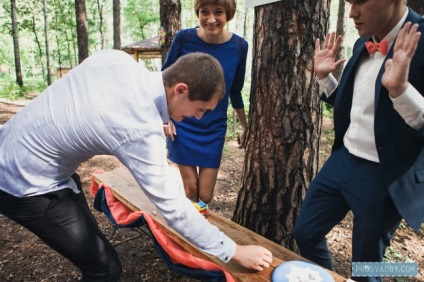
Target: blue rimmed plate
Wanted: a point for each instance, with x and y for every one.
(300, 271)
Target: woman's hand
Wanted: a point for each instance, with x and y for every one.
(241, 139)
(169, 130)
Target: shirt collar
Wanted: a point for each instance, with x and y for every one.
(159, 95)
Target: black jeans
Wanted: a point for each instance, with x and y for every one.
(63, 220)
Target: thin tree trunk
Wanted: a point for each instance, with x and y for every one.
(56, 22)
(46, 37)
(282, 150)
(116, 24)
(341, 25)
(102, 36)
(82, 32)
(16, 51)
(37, 41)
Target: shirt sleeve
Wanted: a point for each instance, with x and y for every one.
(328, 85)
(410, 105)
(235, 93)
(145, 157)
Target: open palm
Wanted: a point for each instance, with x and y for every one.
(395, 77)
(325, 58)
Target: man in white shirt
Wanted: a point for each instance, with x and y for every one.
(109, 105)
(375, 169)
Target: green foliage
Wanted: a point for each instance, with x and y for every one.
(226, 151)
(327, 110)
(402, 225)
(392, 255)
(139, 20)
(5, 22)
(11, 91)
(233, 124)
(142, 19)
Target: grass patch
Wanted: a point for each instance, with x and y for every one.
(11, 91)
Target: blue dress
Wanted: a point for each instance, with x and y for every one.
(200, 142)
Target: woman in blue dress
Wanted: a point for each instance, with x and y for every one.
(196, 145)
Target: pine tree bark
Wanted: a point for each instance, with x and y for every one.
(282, 150)
(170, 20)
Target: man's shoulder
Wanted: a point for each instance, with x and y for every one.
(110, 56)
(414, 17)
(111, 53)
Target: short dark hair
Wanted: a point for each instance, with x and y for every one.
(229, 6)
(201, 72)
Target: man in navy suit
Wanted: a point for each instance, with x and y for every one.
(376, 168)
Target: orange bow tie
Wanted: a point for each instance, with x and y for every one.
(374, 47)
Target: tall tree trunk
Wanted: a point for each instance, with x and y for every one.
(46, 37)
(116, 24)
(170, 20)
(16, 51)
(37, 41)
(341, 25)
(282, 150)
(417, 6)
(102, 35)
(82, 32)
(58, 7)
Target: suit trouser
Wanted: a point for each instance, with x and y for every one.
(63, 220)
(347, 183)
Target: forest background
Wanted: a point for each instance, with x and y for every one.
(140, 20)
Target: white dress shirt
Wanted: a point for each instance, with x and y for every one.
(360, 138)
(108, 105)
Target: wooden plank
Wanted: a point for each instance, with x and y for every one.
(126, 189)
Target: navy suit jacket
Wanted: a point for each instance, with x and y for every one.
(399, 147)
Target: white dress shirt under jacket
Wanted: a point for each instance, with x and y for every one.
(360, 138)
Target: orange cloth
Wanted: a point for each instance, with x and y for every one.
(120, 212)
(124, 215)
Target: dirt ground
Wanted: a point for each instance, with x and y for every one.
(23, 257)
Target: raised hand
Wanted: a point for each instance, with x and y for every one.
(395, 77)
(325, 58)
(253, 257)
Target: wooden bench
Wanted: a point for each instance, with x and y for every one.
(126, 189)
